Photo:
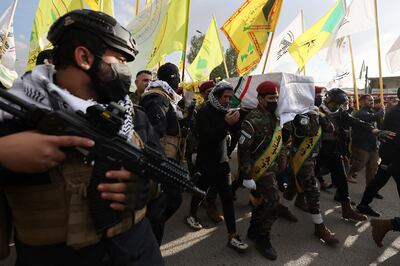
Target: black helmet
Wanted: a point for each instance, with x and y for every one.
(100, 24)
(337, 95)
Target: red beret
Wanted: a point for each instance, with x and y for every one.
(206, 85)
(318, 89)
(267, 87)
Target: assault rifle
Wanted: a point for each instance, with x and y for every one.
(188, 123)
(111, 151)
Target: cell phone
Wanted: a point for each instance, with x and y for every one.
(233, 109)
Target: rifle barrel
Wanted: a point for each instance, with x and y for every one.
(16, 100)
(11, 110)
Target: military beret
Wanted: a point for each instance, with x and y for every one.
(318, 89)
(206, 85)
(267, 87)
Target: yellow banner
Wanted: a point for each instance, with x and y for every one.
(306, 148)
(106, 6)
(172, 34)
(269, 156)
(248, 28)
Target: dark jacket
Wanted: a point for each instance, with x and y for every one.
(389, 150)
(362, 139)
(212, 130)
(334, 135)
(161, 114)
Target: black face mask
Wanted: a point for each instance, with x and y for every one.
(117, 84)
(318, 100)
(271, 107)
(174, 81)
(333, 109)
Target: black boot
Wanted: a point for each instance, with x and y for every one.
(252, 233)
(265, 248)
(366, 209)
(286, 214)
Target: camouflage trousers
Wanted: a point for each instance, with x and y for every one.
(265, 200)
(308, 184)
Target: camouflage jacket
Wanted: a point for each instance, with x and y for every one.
(256, 134)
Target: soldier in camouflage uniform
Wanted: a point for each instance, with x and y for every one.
(304, 129)
(258, 131)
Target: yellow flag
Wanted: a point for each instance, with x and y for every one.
(106, 6)
(181, 61)
(47, 12)
(317, 36)
(173, 32)
(247, 31)
(209, 56)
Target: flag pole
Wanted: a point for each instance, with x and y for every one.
(137, 7)
(355, 89)
(379, 53)
(185, 44)
(268, 50)
(354, 75)
(272, 38)
(302, 31)
(225, 66)
(222, 51)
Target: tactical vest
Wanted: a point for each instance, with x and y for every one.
(58, 212)
(172, 145)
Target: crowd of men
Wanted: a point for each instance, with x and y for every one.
(44, 182)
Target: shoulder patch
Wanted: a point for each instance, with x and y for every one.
(244, 136)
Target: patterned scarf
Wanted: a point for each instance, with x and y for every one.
(36, 87)
(220, 86)
(215, 103)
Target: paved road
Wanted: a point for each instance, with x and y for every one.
(294, 242)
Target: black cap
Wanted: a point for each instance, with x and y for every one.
(170, 74)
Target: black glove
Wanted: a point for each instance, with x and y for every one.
(138, 192)
(386, 135)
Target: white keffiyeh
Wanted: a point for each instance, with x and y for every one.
(174, 96)
(35, 87)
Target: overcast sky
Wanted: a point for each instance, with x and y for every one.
(364, 44)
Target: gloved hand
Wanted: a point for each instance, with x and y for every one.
(137, 193)
(384, 134)
(249, 183)
(125, 190)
